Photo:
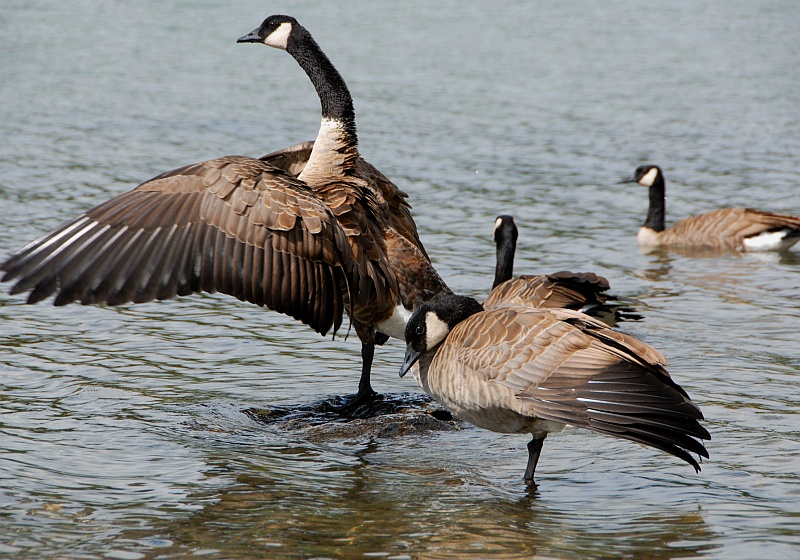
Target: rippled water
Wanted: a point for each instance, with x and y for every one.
(124, 432)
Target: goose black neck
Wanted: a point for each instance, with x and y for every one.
(506, 248)
(337, 104)
(657, 210)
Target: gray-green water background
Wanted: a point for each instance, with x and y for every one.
(121, 429)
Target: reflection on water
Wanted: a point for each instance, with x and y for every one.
(125, 432)
(361, 507)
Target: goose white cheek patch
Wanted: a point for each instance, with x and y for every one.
(436, 330)
(280, 37)
(648, 178)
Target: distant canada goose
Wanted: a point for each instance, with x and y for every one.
(737, 229)
(517, 369)
(338, 238)
(581, 291)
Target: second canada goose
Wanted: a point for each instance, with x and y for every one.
(582, 291)
(338, 238)
(516, 369)
(736, 229)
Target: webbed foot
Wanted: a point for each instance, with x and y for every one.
(361, 405)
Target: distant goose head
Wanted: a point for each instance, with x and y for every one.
(650, 176)
(645, 175)
(432, 322)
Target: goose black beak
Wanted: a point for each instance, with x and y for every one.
(251, 37)
(631, 179)
(411, 358)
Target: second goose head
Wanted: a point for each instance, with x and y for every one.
(431, 324)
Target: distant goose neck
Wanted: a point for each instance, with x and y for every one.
(337, 104)
(504, 269)
(656, 212)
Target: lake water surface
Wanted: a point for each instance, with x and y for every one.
(124, 432)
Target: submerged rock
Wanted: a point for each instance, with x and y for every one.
(392, 416)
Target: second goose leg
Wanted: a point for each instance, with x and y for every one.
(534, 450)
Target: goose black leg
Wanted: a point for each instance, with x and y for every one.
(534, 450)
(365, 391)
(362, 404)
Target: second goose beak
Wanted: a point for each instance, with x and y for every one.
(411, 358)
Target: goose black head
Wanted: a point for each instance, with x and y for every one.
(432, 322)
(275, 31)
(505, 228)
(644, 175)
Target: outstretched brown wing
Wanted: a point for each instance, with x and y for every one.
(233, 224)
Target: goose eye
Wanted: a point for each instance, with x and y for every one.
(419, 329)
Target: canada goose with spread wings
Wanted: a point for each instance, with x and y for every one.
(337, 238)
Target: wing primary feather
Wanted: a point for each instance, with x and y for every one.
(40, 270)
(133, 269)
(174, 280)
(108, 277)
(25, 258)
(247, 272)
(78, 275)
(152, 265)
